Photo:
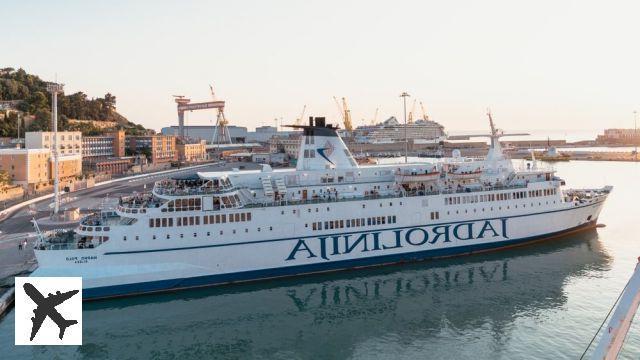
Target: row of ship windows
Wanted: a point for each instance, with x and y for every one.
(466, 211)
(294, 211)
(195, 234)
(470, 199)
(349, 223)
(195, 220)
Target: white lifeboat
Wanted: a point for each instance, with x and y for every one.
(417, 175)
(464, 175)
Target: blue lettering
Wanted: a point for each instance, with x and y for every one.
(301, 246)
(437, 233)
(469, 235)
(487, 227)
(504, 228)
(425, 236)
(398, 238)
(361, 238)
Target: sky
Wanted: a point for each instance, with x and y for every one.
(562, 65)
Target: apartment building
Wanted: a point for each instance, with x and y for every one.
(102, 147)
(161, 148)
(69, 142)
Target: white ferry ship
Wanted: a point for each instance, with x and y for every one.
(326, 214)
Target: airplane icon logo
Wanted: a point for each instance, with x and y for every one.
(63, 297)
(47, 307)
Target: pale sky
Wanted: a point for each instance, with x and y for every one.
(536, 64)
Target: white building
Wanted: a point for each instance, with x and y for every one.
(69, 142)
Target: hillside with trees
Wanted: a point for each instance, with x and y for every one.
(33, 99)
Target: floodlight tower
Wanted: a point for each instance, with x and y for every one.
(54, 89)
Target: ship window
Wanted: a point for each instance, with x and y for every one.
(383, 220)
(314, 226)
(164, 222)
(154, 237)
(234, 231)
(270, 228)
(195, 234)
(248, 216)
(363, 206)
(205, 220)
(208, 233)
(197, 220)
(191, 220)
(168, 236)
(243, 216)
(237, 216)
(341, 224)
(224, 218)
(221, 232)
(124, 238)
(157, 222)
(246, 230)
(150, 222)
(394, 219)
(137, 237)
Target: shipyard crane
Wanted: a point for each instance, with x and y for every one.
(221, 134)
(347, 116)
(413, 110)
(345, 113)
(375, 117)
(425, 117)
(301, 118)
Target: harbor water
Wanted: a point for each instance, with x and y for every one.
(542, 301)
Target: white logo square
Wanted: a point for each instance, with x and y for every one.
(48, 311)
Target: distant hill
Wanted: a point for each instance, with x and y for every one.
(30, 96)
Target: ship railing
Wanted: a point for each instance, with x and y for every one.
(174, 191)
(400, 194)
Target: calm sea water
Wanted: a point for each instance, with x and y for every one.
(542, 301)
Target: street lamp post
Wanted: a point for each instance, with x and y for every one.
(54, 89)
(635, 134)
(404, 96)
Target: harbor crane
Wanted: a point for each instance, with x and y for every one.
(300, 119)
(345, 113)
(184, 104)
(425, 117)
(413, 111)
(375, 117)
(221, 134)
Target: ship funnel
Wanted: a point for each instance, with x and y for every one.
(322, 148)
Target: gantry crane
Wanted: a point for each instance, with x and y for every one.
(221, 135)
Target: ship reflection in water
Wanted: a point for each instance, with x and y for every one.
(410, 310)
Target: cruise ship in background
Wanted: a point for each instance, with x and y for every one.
(327, 214)
(422, 131)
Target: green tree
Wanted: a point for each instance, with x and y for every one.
(5, 179)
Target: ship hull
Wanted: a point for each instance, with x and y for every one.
(112, 274)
